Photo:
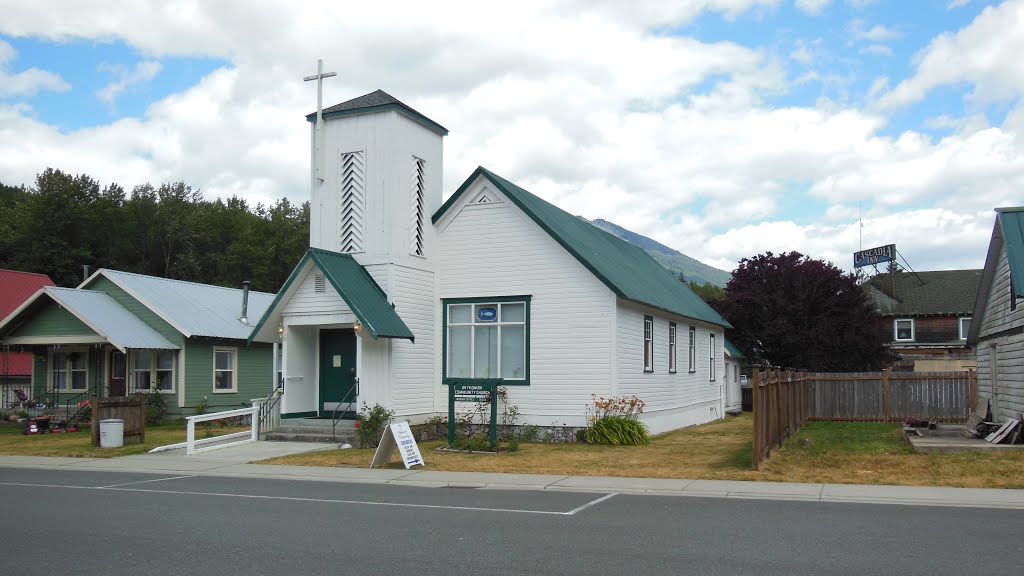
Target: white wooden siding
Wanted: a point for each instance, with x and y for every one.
(412, 368)
(493, 249)
(661, 390)
(309, 306)
(998, 316)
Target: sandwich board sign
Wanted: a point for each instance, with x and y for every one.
(397, 435)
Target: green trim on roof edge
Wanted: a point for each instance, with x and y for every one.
(614, 262)
(379, 327)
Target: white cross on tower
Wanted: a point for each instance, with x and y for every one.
(318, 159)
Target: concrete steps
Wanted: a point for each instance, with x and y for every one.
(313, 430)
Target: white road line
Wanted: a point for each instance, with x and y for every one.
(589, 504)
(315, 500)
(144, 481)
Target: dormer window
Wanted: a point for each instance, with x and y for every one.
(903, 329)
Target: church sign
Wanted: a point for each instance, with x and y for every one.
(486, 314)
(873, 256)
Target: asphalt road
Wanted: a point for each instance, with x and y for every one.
(77, 522)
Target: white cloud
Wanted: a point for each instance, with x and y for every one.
(877, 33)
(986, 54)
(954, 4)
(126, 77)
(588, 104)
(27, 82)
(879, 50)
(812, 6)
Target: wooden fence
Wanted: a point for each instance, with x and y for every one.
(785, 399)
(131, 409)
(780, 408)
(892, 396)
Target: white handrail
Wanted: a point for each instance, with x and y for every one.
(190, 430)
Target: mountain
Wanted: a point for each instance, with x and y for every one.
(674, 260)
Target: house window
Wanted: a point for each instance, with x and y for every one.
(488, 339)
(648, 344)
(904, 329)
(693, 349)
(712, 363)
(965, 327)
(224, 369)
(672, 347)
(735, 372)
(152, 370)
(69, 369)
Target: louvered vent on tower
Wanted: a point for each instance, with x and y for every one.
(351, 202)
(416, 243)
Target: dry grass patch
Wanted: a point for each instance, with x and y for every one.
(833, 452)
(79, 445)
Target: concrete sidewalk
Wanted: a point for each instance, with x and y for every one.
(234, 462)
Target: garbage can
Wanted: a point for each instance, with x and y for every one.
(111, 433)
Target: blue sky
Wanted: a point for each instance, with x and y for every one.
(722, 128)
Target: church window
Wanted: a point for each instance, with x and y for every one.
(488, 338)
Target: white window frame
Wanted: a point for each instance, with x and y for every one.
(693, 349)
(648, 343)
(960, 327)
(896, 330)
(131, 363)
(672, 331)
(67, 370)
(500, 324)
(711, 344)
(234, 370)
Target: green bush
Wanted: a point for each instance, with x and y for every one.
(156, 407)
(370, 424)
(618, 431)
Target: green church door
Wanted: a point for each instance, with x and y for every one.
(337, 371)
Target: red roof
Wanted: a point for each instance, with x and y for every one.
(15, 288)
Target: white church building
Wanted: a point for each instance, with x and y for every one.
(402, 294)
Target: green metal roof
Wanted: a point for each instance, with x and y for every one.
(356, 287)
(1011, 220)
(626, 269)
(945, 292)
(733, 350)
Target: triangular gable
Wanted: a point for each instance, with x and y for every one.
(627, 270)
(356, 287)
(100, 314)
(1007, 238)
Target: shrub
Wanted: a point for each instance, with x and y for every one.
(618, 431)
(615, 421)
(370, 424)
(156, 407)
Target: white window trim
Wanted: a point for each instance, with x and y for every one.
(896, 331)
(648, 338)
(960, 327)
(130, 384)
(50, 382)
(673, 346)
(693, 349)
(711, 344)
(234, 370)
(499, 323)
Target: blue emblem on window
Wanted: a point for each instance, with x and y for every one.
(487, 314)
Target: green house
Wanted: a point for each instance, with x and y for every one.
(121, 333)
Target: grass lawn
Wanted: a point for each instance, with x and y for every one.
(833, 452)
(78, 444)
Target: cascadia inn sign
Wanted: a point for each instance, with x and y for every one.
(873, 256)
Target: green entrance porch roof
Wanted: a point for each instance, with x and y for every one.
(94, 312)
(355, 286)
